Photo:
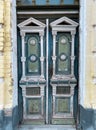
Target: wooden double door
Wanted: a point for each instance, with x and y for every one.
(47, 70)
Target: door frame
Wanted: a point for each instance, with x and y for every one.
(69, 26)
(82, 54)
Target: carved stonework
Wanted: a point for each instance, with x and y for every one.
(23, 59)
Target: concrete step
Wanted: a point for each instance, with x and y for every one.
(46, 127)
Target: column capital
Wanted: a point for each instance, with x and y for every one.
(22, 33)
(73, 32)
(54, 32)
(41, 33)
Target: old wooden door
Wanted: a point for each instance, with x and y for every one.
(48, 80)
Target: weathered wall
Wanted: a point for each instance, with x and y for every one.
(88, 65)
(5, 63)
(90, 96)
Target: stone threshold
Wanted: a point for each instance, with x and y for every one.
(46, 127)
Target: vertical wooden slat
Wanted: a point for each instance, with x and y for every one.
(33, 2)
(76, 2)
(18, 2)
(47, 2)
(61, 2)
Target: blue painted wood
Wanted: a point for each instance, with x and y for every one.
(50, 48)
(50, 73)
(20, 98)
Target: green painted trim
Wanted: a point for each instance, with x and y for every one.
(36, 52)
(63, 49)
(34, 122)
(64, 121)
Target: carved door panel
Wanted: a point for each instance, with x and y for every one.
(48, 79)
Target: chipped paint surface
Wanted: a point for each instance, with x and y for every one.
(87, 69)
(5, 55)
(8, 66)
(90, 98)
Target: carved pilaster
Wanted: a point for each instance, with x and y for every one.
(42, 55)
(54, 33)
(72, 52)
(22, 33)
(24, 101)
(23, 59)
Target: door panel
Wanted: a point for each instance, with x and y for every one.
(32, 54)
(63, 53)
(48, 95)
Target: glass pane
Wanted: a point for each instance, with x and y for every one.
(33, 91)
(54, 2)
(26, 2)
(40, 2)
(69, 2)
(63, 90)
(46, 2)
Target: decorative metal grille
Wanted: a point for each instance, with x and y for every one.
(63, 90)
(33, 91)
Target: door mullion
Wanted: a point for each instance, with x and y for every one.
(47, 82)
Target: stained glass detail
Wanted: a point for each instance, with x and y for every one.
(63, 90)
(33, 91)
